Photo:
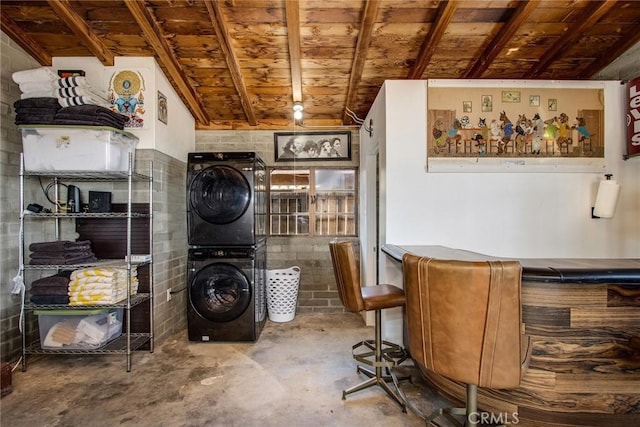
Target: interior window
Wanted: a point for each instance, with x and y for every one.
(314, 202)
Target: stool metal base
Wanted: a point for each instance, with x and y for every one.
(469, 412)
(380, 355)
(390, 353)
(382, 381)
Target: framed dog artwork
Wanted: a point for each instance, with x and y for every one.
(312, 146)
(508, 134)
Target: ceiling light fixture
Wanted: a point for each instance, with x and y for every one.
(297, 110)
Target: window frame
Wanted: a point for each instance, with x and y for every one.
(312, 198)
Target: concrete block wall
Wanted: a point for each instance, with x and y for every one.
(317, 291)
(12, 58)
(169, 241)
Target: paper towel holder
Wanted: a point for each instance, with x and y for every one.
(608, 177)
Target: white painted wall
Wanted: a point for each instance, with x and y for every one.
(177, 137)
(368, 203)
(504, 214)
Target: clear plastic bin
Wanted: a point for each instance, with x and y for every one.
(63, 148)
(62, 329)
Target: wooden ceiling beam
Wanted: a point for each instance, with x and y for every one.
(627, 41)
(167, 59)
(292, 10)
(446, 9)
(495, 46)
(15, 33)
(224, 38)
(273, 124)
(63, 9)
(369, 19)
(596, 11)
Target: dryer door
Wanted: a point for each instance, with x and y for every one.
(220, 292)
(220, 194)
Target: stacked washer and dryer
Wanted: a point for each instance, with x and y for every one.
(227, 263)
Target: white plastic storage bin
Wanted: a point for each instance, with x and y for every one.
(81, 148)
(78, 329)
(282, 293)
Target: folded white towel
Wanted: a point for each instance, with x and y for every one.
(35, 86)
(51, 93)
(84, 340)
(34, 75)
(95, 327)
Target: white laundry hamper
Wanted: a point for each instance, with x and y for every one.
(282, 293)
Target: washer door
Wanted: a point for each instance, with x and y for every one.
(220, 194)
(220, 292)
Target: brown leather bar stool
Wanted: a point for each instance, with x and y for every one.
(378, 354)
(464, 323)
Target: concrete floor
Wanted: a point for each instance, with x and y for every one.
(292, 376)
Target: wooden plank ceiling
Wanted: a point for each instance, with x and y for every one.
(240, 64)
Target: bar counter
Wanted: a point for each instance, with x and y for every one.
(583, 317)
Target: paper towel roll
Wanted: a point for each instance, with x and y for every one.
(606, 199)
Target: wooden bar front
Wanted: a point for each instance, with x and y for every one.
(583, 317)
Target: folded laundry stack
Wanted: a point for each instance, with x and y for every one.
(36, 83)
(76, 90)
(93, 286)
(68, 101)
(90, 115)
(36, 111)
(52, 289)
(61, 252)
(38, 103)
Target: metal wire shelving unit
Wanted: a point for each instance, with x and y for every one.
(128, 342)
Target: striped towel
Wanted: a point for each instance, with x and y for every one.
(82, 100)
(75, 287)
(101, 271)
(97, 299)
(103, 279)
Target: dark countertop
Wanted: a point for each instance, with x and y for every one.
(565, 270)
